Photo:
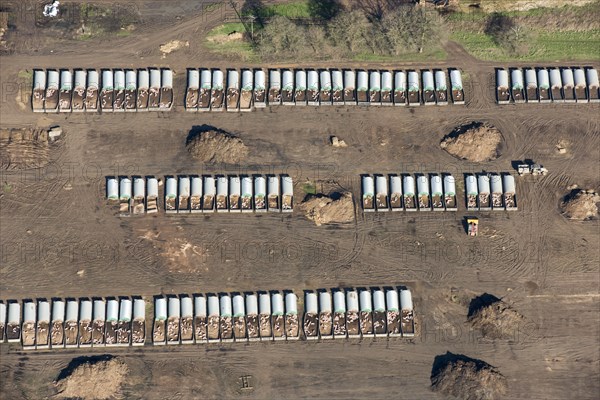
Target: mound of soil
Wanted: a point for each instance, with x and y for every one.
(215, 146)
(94, 379)
(329, 210)
(23, 148)
(580, 205)
(476, 142)
(466, 378)
(495, 318)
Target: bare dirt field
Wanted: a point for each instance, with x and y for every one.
(59, 238)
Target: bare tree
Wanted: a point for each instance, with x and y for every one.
(324, 9)
(506, 32)
(348, 32)
(412, 29)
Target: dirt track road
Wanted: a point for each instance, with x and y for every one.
(59, 239)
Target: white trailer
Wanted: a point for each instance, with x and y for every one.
(441, 88)
(386, 88)
(300, 89)
(428, 90)
(205, 88)
(502, 89)
(208, 197)
(580, 85)
(107, 92)
(408, 321)
(28, 329)
(414, 89)
(531, 85)
(159, 330)
(393, 312)
(99, 323)
(287, 194)
(458, 94)
(375, 88)
(517, 86)
(325, 91)
(2, 321)
(247, 87)
(368, 193)
(408, 186)
(57, 328)
(510, 196)
(52, 91)
(193, 90)
(125, 196)
(274, 96)
(292, 329)
(200, 319)
(154, 91)
(173, 320)
(119, 96)
(85, 323)
(471, 192)
(337, 87)
(362, 87)
(424, 194)
(556, 85)
(273, 199)
(366, 310)
(152, 195)
(349, 87)
(139, 196)
(138, 325)
(497, 192)
(71, 324)
(225, 325)
(166, 90)
(112, 190)
(352, 315)
(311, 316)
(264, 316)
(240, 332)
(218, 90)
(543, 79)
(483, 185)
(399, 88)
(112, 322)
(130, 90)
(450, 193)
(39, 90)
(66, 91)
(196, 194)
(568, 85)
(247, 193)
(260, 89)
(312, 93)
(287, 88)
(42, 327)
(233, 90)
(339, 315)
(222, 203)
(277, 318)
(13, 325)
(235, 194)
(591, 75)
(124, 323)
(260, 194)
(437, 193)
(381, 193)
(143, 90)
(213, 318)
(252, 318)
(396, 193)
(379, 313)
(325, 315)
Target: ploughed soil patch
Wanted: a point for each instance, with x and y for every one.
(98, 377)
(580, 205)
(476, 142)
(212, 145)
(495, 318)
(466, 378)
(322, 210)
(24, 148)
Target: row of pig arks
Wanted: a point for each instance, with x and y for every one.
(541, 85)
(208, 90)
(120, 90)
(490, 191)
(74, 322)
(195, 194)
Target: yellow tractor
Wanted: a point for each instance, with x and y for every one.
(472, 226)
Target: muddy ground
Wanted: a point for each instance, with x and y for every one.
(60, 239)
